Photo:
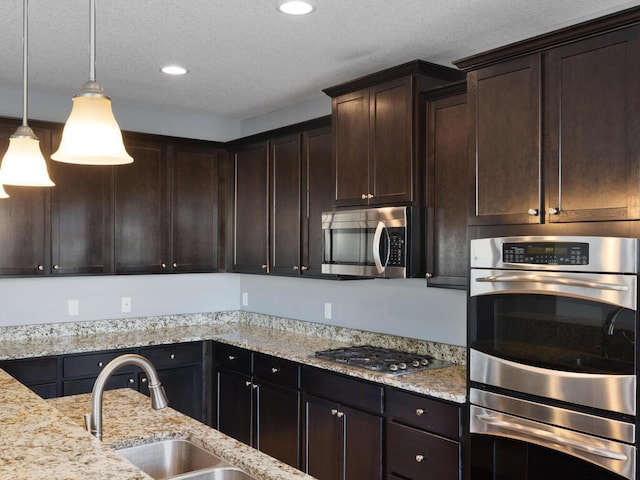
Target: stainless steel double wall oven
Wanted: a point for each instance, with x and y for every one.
(553, 358)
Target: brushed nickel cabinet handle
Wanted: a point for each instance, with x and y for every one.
(533, 212)
(274, 370)
(363, 196)
(175, 264)
(420, 411)
(419, 458)
(295, 267)
(304, 268)
(264, 266)
(40, 268)
(163, 265)
(553, 211)
(56, 267)
(339, 414)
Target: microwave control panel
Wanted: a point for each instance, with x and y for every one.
(396, 247)
(546, 253)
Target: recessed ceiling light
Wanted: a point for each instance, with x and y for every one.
(295, 7)
(174, 70)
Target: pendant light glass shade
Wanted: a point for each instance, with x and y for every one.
(92, 135)
(23, 163)
(3, 194)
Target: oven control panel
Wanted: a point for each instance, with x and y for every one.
(546, 253)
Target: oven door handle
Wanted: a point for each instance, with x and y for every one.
(550, 437)
(573, 282)
(377, 238)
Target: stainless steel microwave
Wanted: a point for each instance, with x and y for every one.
(384, 242)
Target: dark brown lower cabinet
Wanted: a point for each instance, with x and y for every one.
(39, 374)
(235, 405)
(183, 386)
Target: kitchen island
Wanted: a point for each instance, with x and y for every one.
(46, 439)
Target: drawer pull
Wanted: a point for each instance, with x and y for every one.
(419, 458)
(172, 356)
(131, 380)
(420, 411)
(100, 364)
(254, 386)
(333, 411)
(247, 383)
(232, 357)
(274, 370)
(144, 380)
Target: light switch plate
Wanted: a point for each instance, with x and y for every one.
(73, 307)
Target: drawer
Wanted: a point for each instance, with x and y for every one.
(90, 365)
(339, 388)
(235, 358)
(425, 413)
(418, 455)
(276, 370)
(32, 370)
(85, 385)
(173, 355)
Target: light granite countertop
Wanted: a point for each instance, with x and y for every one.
(290, 339)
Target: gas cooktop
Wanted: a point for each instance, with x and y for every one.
(383, 360)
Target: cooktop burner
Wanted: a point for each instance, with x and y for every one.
(384, 360)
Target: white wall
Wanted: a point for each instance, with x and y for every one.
(399, 307)
(300, 112)
(25, 301)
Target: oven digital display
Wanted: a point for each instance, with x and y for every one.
(546, 253)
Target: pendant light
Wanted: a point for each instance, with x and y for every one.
(91, 135)
(23, 163)
(3, 194)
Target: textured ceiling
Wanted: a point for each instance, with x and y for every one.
(245, 58)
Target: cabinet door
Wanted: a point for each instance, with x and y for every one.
(363, 444)
(81, 218)
(285, 206)
(504, 103)
(447, 131)
(183, 386)
(235, 394)
(142, 210)
(390, 148)
(278, 423)
(22, 219)
(324, 444)
(594, 112)
(194, 209)
(351, 148)
(320, 188)
(251, 247)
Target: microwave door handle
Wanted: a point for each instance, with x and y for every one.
(572, 282)
(377, 238)
(545, 436)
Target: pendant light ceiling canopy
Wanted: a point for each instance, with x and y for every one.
(92, 135)
(23, 163)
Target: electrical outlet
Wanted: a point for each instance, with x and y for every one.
(245, 299)
(74, 307)
(327, 311)
(126, 304)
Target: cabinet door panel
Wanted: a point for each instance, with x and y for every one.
(194, 210)
(320, 190)
(235, 405)
(285, 206)
(183, 386)
(323, 439)
(142, 210)
(22, 219)
(594, 147)
(504, 102)
(81, 219)
(363, 444)
(251, 210)
(278, 423)
(448, 259)
(351, 144)
(390, 158)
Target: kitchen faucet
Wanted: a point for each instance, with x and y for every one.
(159, 400)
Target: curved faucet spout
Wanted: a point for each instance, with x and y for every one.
(158, 397)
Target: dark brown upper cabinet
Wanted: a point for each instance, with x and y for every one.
(81, 217)
(24, 234)
(376, 134)
(447, 184)
(505, 142)
(166, 207)
(554, 125)
(282, 185)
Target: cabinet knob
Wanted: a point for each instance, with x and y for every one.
(144, 380)
(333, 411)
(363, 196)
(100, 364)
(304, 268)
(41, 267)
(163, 265)
(295, 267)
(264, 266)
(420, 412)
(254, 386)
(370, 196)
(56, 267)
(533, 212)
(172, 356)
(247, 383)
(274, 370)
(175, 265)
(131, 380)
(419, 458)
(339, 414)
(232, 357)
(553, 211)
(428, 275)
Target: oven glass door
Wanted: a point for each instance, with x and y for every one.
(537, 326)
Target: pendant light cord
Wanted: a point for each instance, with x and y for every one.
(25, 52)
(92, 37)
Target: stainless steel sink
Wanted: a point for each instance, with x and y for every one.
(219, 473)
(173, 458)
